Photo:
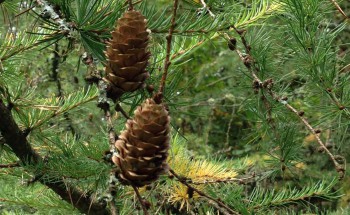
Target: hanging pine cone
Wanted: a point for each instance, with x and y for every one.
(127, 55)
(143, 146)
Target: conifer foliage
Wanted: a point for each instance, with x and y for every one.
(174, 107)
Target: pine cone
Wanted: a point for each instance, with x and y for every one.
(143, 146)
(127, 55)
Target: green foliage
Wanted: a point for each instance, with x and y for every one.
(261, 199)
(33, 115)
(233, 141)
(33, 199)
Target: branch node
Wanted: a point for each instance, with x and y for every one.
(232, 44)
(119, 108)
(341, 107)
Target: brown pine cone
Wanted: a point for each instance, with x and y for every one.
(127, 55)
(143, 146)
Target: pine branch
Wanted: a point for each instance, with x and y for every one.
(56, 79)
(55, 65)
(189, 23)
(17, 141)
(340, 168)
(261, 198)
(248, 61)
(49, 11)
(227, 180)
(158, 98)
(218, 202)
(198, 170)
(180, 53)
(71, 101)
(105, 107)
(23, 41)
(336, 101)
(222, 210)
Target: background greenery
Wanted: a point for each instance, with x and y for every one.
(216, 114)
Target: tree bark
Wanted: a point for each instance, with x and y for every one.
(17, 141)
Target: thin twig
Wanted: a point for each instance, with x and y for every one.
(219, 80)
(17, 51)
(137, 2)
(226, 180)
(167, 62)
(111, 132)
(205, 7)
(56, 79)
(10, 165)
(229, 127)
(345, 69)
(336, 101)
(161, 205)
(104, 105)
(112, 193)
(178, 54)
(339, 9)
(127, 2)
(114, 209)
(58, 112)
(145, 212)
(225, 28)
(338, 167)
(131, 6)
(222, 210)
(184, 182)
(121, 110)
(223, 151)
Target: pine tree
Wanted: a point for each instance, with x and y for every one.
(174, 107)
